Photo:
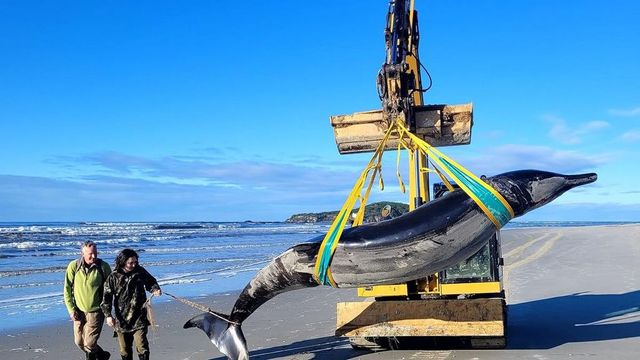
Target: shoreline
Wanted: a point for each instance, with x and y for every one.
(164, 301)
(56, 314)
(53, 311)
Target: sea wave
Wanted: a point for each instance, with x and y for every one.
(235, 273)
(182, 281)
(30, 297)
(532, 224)
(32, 244)
(27, 245)
(178, 227)
(240, 261)
(9, 273)
(215, 247)
(195, 261)
(236, 268)
(190, 255)
(29, 285)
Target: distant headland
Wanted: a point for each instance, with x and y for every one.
(373, 213)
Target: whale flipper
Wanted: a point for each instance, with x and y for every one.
(227, 337)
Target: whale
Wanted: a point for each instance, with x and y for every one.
(439, 234)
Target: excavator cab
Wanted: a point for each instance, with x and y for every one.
(461, 306)
(481, 271)
(483, 266)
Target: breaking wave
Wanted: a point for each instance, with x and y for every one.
(193, 258)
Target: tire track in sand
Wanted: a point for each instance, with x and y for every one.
(544, 248)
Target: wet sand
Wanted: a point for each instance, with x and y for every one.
(571, 293)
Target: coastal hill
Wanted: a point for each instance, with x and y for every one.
(373, 213)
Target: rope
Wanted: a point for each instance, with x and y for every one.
(152, 319)
(487, 198)
(201, 308)
(322, 272)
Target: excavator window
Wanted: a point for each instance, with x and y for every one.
(483, 266)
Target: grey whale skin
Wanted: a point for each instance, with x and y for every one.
(438, 234)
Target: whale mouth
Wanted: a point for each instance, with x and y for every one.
(580, 179)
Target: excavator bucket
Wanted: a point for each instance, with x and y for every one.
(438, 125)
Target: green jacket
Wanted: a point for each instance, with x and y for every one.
(83, 287)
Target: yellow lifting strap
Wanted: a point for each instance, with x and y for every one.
(322, 272)
(488, 199)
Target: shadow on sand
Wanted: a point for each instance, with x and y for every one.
(582, 317)
(324, 348)
(539, 324)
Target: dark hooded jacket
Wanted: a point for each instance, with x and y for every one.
(127, 292)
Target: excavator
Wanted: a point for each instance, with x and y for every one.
(463, 305)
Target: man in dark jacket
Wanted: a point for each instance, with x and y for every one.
(125, 288)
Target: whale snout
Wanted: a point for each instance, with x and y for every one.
(526, 190)
(581, 179)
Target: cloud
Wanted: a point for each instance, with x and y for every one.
(119, 162)
(104, 198)
(631, 136)
(116, 186)
(565, 134)
(295, 176)
(219, 150)
(514, 157)
(625, 112)
(24, 198)
(303, 174)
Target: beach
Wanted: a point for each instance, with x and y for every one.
(572, 292)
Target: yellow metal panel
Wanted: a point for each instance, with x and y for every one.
(493, 287)
(418, 181)
(429, 285)
(436, 317)
(383, 290)
(412, 61)
(439, 125)
(412, 181)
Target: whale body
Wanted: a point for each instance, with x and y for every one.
(439, 234)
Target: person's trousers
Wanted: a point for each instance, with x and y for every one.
(137, 337)
(87, 330)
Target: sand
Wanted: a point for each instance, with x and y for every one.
(571, 293)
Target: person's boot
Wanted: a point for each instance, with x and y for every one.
(103, 355)
(144, 356)
(126, 357)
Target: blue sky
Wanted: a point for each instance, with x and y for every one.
(219, 111)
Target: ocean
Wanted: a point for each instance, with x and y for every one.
(188, 259)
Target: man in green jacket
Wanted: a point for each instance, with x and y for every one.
(83, 289)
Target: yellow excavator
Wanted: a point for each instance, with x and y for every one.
(463, 305)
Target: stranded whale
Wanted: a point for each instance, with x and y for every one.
(438, 234)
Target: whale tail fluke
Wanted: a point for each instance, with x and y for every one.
(227, 337)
